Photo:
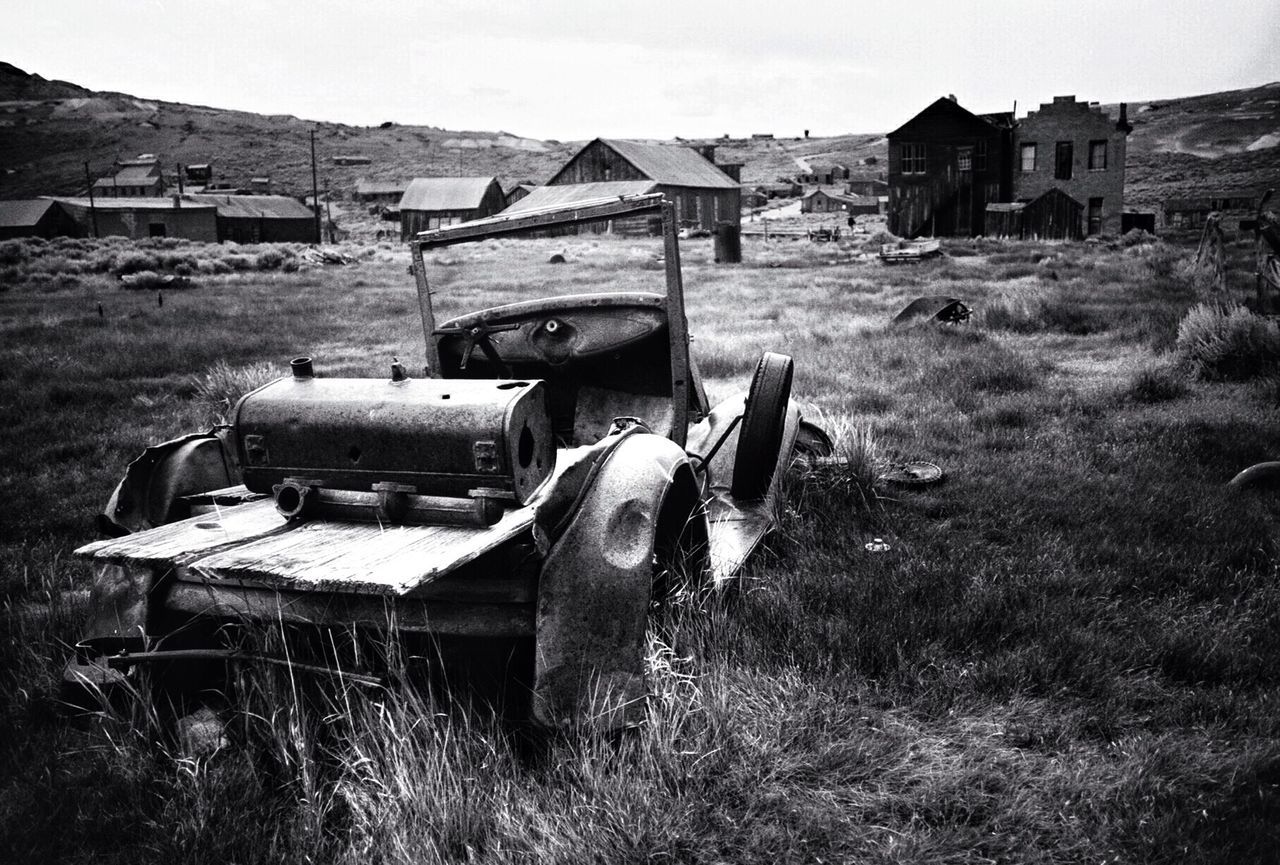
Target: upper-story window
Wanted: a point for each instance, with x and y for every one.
(1028, 154)
(913, 159)
(1098, 155)
(1063, 158)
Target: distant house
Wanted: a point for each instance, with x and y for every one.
(199, 174)
(543, 197)
(1193, 211)
(430, 202)
(260, 185)
(40, 217)
(1077, 148)
(137, 218)
(1052, 215)
(702, 193)
(387, 192)
(946, 165)
(867, 187)
(351, 160)
(259, 218)
(836, 200)
(135, 178)
(827, 175)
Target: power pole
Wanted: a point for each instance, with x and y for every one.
(315, 191)
(93, 210)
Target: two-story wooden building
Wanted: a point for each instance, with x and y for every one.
(946, 165)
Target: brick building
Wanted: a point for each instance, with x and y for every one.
(1078, 149)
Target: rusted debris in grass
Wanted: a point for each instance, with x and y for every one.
(933, 307)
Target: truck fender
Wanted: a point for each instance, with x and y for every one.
(597, 582)
(149, 494)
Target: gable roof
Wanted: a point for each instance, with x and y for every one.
(540, 197)
(25, 212)
(446, 193)
(670, 165)
(133, 175)
(254, 206)
(952, 111)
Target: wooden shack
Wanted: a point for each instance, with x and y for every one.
(703, 194)
(1053, 215)
(40, 217)
(260, 218)
(430, 202)
(946, 165)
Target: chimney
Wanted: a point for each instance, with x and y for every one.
(708, 152)
(1123, 124)
(951, 96)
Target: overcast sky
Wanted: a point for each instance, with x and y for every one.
(575, 69)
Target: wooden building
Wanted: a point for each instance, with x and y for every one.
(874, 188)
(518, 192)
(131, 181)
(40, 217)
(137, 218)
(1052, 215)
(1079, 149)
(387, 192)
(836, 200)
(703, 194)
(1192, 212)
(260, 218)
(430, 202)
(946, 165)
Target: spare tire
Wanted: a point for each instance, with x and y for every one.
(763, 420)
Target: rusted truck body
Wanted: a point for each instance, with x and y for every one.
(548, 481)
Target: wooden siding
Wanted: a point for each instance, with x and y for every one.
(413, 221)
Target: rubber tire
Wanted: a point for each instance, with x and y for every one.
(763, 420)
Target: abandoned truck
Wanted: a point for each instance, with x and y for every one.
(546, 483)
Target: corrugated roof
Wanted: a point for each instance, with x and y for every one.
(14, 214)
(254, 206)
(575, 193)
(671, 165)
(445, 193)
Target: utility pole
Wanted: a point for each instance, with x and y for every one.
(315, 191)
(328, 214)
(177, 167)
(93, 210)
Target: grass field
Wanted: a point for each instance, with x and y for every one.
(1070, 653)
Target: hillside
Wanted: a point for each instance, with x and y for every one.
(51, 128)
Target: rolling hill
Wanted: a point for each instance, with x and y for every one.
(50, 129)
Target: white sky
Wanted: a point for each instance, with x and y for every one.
(575, 69)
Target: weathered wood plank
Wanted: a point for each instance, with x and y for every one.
(357, 557)
(199, 534)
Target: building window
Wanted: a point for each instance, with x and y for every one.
(1097, 156)
(1028, 152)
(1095, 216)
(1063, 156)
(913, 159)
(980, 157)
(964, 159)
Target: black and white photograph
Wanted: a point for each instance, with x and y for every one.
(640, 432)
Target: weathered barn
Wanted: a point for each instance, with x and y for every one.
(137, 218)
(260, 218)
(430, 202)
(703, 194)
(1076, 147)
(1052, 215)
(380, 191)
(40, 217)
(946, 165)
(543, 197)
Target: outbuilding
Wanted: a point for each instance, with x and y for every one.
(39, 217)
(430, 202)
(260, 218)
